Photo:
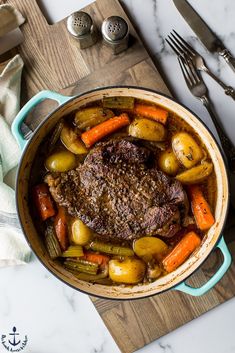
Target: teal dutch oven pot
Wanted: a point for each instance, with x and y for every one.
(175, 280)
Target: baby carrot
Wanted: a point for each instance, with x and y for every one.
(200, 207)
(181, 251)
(152, 112)
(100, 259)
(101, 130)
(43, 201)
(60, 225)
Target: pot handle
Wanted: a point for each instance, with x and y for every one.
(39, 97)
(183, 287)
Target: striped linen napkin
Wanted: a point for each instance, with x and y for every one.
(13, 247)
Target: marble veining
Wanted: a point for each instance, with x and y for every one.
(166, 348)
(57, 318)
(70, 297)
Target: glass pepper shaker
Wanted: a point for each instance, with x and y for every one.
(115, 33)
(82, 29)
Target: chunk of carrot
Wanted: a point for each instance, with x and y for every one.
(181, 251)
(100, 259)
(200, 208)
(43, 201)
(60, 225)
(101, 130)
(152, 112)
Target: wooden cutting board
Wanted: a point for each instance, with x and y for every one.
(52, 61)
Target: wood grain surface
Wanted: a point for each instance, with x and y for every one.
(53, 61)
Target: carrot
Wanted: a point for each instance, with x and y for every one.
(152, 112)
(101, 130)
(200, 208)
(43, 201)
(60, 224)
(100, 259)
(181, 251)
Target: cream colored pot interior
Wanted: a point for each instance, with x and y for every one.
(117, 292)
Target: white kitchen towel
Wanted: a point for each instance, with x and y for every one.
(13, 247)
(10, 19)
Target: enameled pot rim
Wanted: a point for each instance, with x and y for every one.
(135, 88)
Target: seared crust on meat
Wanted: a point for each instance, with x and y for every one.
(119, 194)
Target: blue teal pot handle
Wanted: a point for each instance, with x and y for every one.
(183, 287)
(39, 97)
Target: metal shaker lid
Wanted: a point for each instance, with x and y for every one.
(114, 28)
(79, 24)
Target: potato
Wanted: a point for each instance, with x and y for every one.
(149, 246)
(81, 234)
(154, 272)
(196, 174)
(71, 141)
(61, 161)
(129, 271)
(168, 162)
(89, 117)
(186, 149)
(147, 130)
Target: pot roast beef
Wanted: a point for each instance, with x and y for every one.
(120, 194)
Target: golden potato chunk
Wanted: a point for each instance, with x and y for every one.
(61, 161)
(146, 246)
(147, 130)
(89, 117)
(129, 271)
(196, 174)
(186, 149)
(71, 141)
(168, 162)
(81, 234)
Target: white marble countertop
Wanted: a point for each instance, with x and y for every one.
(55, 317)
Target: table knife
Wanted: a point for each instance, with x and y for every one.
(204, 33)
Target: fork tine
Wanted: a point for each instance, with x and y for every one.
(193, 70)
(184, 71)
(172, 47)
(188, 68)
(182, 46)
(184, 43)
(176, 45)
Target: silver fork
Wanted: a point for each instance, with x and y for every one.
(183, 49)
(198, 88)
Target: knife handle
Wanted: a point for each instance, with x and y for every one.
(228, 58)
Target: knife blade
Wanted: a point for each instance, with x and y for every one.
(204, 33)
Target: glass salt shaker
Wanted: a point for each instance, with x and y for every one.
(82, 29)
(115, 33)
